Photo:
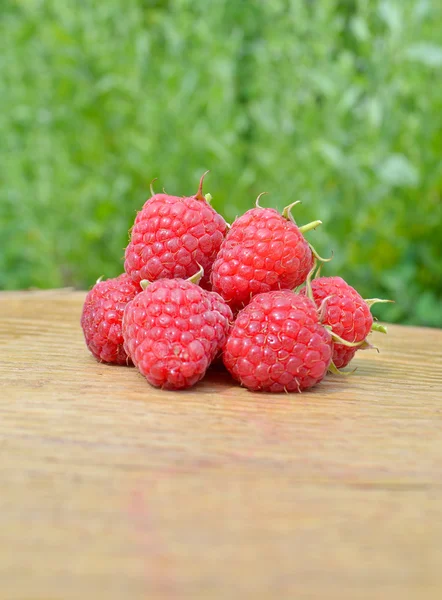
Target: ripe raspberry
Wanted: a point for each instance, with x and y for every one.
(102, 315)
(347, 313)
(172, 236)
(173, 330)
(263, 251)
(277, 344)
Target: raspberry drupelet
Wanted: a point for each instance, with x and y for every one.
(102, 315)
(277, 344)
(172, 236)
(173, 330)
(263, 251)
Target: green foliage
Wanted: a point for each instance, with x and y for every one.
(334, 102)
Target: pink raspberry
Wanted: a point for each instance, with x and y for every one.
(102, 315)
(277, 344)
(173, 330)
(263, 251)
(173, 236)
(345, 311)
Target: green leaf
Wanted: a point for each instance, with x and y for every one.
(391, 15)
(397, 170)
(425, 53)
(360, 29)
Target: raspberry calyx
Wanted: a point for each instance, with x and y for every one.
(196, 278)
(199, 193)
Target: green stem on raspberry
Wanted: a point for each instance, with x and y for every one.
(367, 346)
(100, 279)
(257, 200)
(308, 282)
(316, 255)
(208, 198)
(196, 277)
(144, 283)
(378, 327)
(323, 307)
(152, 191)
(287, 212)
(334, 369)
(310, 226)
(199, 194)
(336, 338)
(372, 301)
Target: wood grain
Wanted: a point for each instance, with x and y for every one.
(111, 489)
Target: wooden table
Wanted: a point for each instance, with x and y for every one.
(111, 489)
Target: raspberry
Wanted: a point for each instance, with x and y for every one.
(102, 315)
(173, 330)
(345, 311)
(277, 344)
(172, 236)
(263, 251)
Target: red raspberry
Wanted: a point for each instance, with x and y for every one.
(172, 236)
(277, 344)
(174, 330)
(263, 251)
(345, 311)
(102, 315)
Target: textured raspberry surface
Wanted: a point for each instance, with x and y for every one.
(277, 344)
(102, 315)
(263, 251)
(171, 237)
(345, 311)
(174, 330)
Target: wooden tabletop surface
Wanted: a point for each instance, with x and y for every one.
(111, 489)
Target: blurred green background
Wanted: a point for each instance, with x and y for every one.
(334, 102)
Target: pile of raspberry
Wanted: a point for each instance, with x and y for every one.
(197, 290)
